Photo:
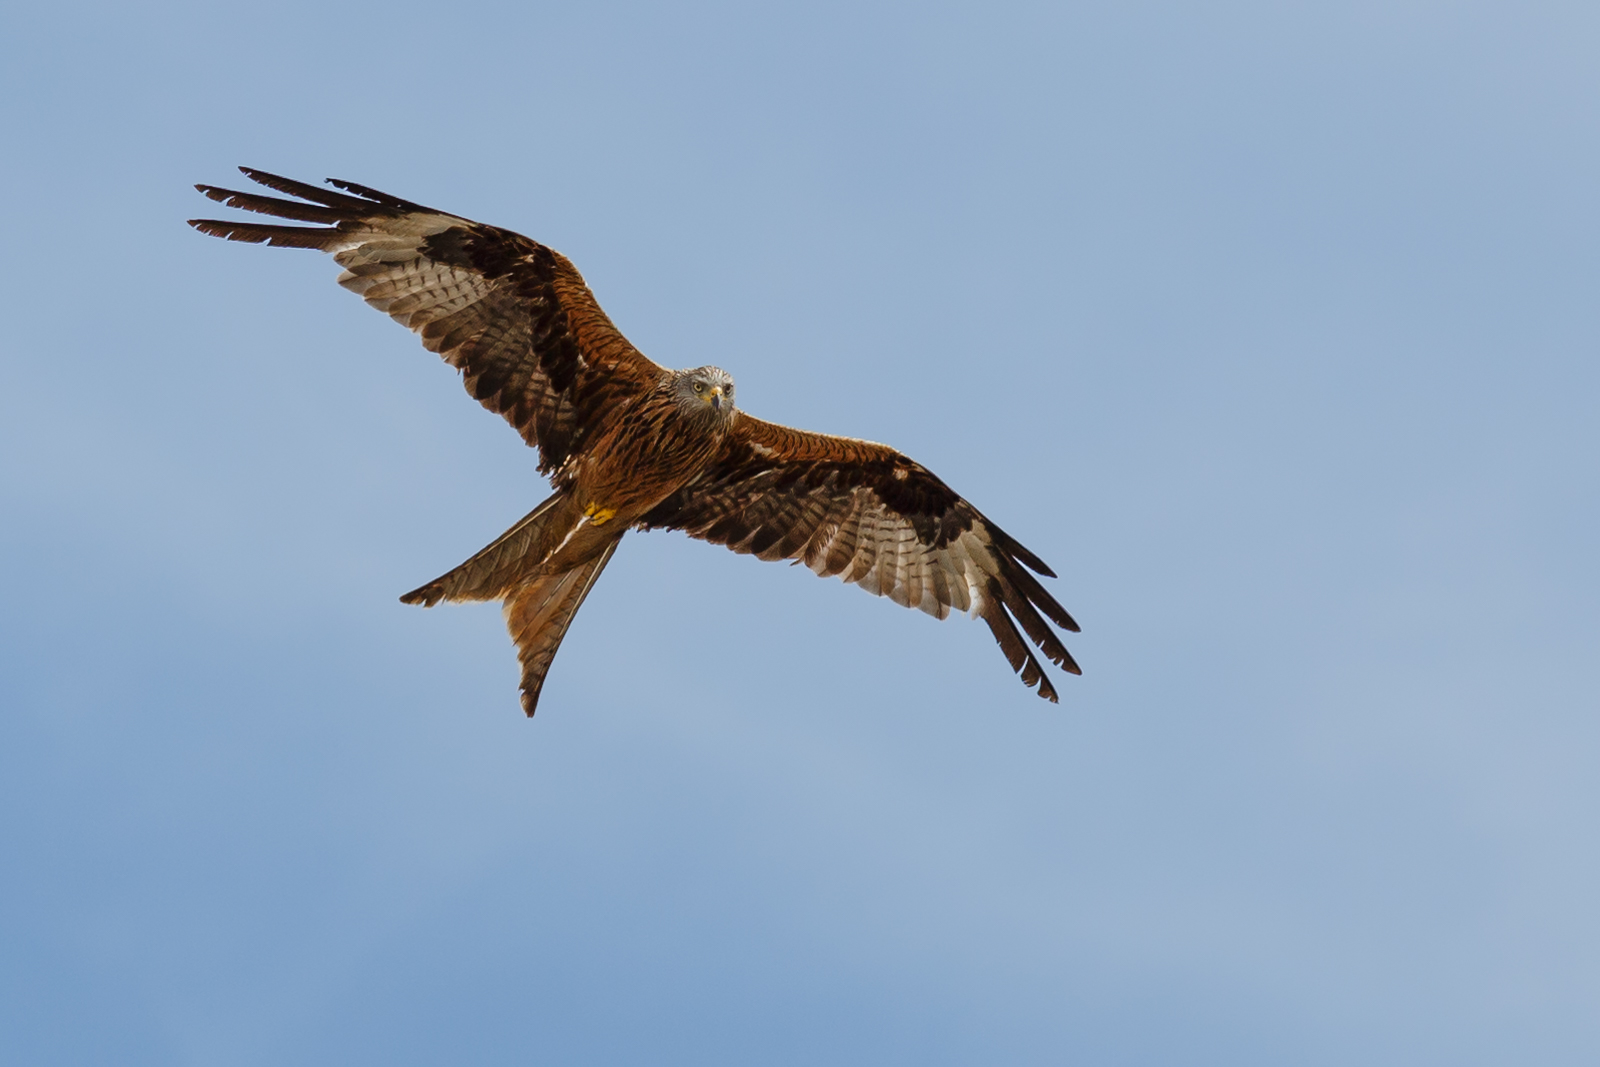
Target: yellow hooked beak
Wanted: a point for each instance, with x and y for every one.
(715, 399)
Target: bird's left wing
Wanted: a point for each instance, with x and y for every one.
(874, 517)
(513, 315)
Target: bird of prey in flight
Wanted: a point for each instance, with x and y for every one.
(630, 445)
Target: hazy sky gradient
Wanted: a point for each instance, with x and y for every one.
(1271, 327)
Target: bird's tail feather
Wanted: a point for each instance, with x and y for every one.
(495, 571)
(538, 613)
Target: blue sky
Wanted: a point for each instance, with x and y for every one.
(1271, 327)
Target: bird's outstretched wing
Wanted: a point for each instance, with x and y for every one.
(872, 516)
(514, 316)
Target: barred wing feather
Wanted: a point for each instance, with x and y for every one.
(513, 315)
(874, 517)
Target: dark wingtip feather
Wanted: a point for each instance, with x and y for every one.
(358, 207)
(386, 199)
(271, 205)
(1015, 548)
(1003, 624)
(278, 236)
(1036, 628)
(1013, 647)
(1038, 565)
(1040, 596)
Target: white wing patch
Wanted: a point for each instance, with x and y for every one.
(391, 273)
(882, 555)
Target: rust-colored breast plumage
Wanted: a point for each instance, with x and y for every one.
(646, 450)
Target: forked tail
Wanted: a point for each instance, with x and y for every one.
(495, 571)
(538, 613)
(538, 607)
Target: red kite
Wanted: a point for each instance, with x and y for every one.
(630, 445)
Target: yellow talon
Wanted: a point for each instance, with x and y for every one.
(597, 514)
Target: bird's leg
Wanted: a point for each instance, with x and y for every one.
(598, 515)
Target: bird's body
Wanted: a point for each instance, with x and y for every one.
(632, 445)
(653, 446)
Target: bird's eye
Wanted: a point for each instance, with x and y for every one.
(699, 387)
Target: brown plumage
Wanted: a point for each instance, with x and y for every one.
(629, 444)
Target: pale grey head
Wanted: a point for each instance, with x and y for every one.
(705, 394)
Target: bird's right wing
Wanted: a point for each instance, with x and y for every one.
(514, 316)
